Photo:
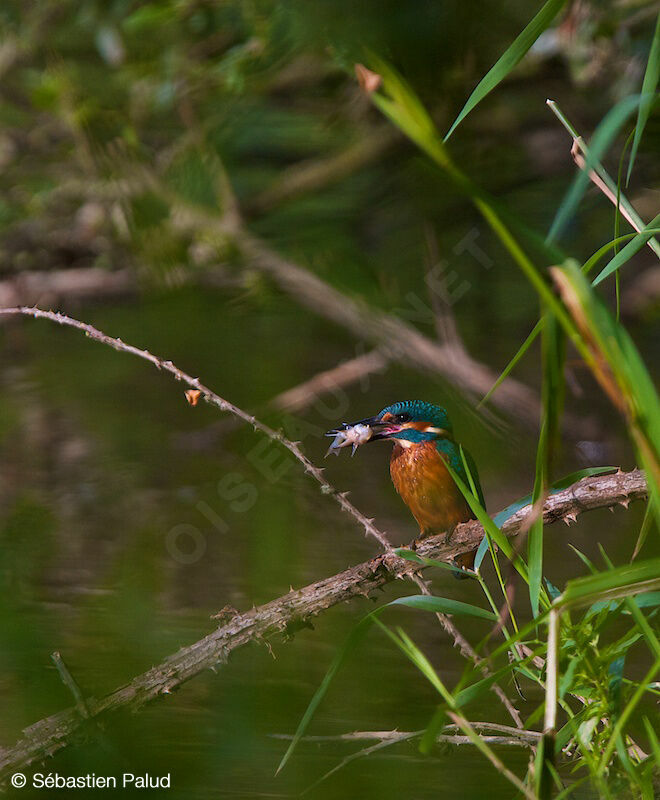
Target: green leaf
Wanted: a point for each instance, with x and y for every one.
(470, 693)
(653, 738)
(489, 526)
(568, 731)
(355, 637)
(647, 523)
(443, 605)
(617, 365)
(410, 555)
(624, 255)
(595, 258)
(567, 678)
(622, 581)
(634, 700)
(427, 603)
(553, 350)
(524, 347)
(509, 59)
(649, 86)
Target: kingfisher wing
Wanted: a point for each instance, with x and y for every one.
(452, 452)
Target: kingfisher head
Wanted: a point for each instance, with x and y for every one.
(413, 421)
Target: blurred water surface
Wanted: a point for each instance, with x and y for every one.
(102, 459)
(127, 517)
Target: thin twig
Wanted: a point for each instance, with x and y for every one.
(69, 681)
(447, 733)
(213, 399)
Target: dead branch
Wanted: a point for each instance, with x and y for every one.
(294, 610)
(398, 340)
(48, 287)
(449, 734)
(344, 374)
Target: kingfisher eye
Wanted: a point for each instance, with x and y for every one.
(403, 417)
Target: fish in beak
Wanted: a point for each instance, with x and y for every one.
(358, 433)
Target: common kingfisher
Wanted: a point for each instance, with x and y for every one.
(423, 445)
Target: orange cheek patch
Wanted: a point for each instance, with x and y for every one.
(418, 426)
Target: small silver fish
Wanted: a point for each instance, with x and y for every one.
(354, 435)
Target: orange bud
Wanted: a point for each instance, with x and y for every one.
(192, 396)
(369, 81)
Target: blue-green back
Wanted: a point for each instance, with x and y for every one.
(452, 451)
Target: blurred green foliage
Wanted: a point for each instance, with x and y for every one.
(119, 123)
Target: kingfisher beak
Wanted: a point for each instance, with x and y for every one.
(380, 430)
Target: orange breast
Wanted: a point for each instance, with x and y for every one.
(421, 478)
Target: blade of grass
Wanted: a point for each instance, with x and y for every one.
(494, 532)
(408, 647)
(618, 215)
(626, 713)
(443, 605)
(613, 358)
(649, 636)
(623, 581)
(402, 107)
(475, 690)
(570, 789)
(358, 633)
(509, 59)
(647, 523)
(553, 350)
(354, 638)
(649, 87)
(624, 255)
(596, 257)
(653, 739)
(535, 535)
(649, 232)
(524, 347)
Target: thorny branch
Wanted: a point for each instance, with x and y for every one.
(213, 399)
(294, 610)
(450, 628)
